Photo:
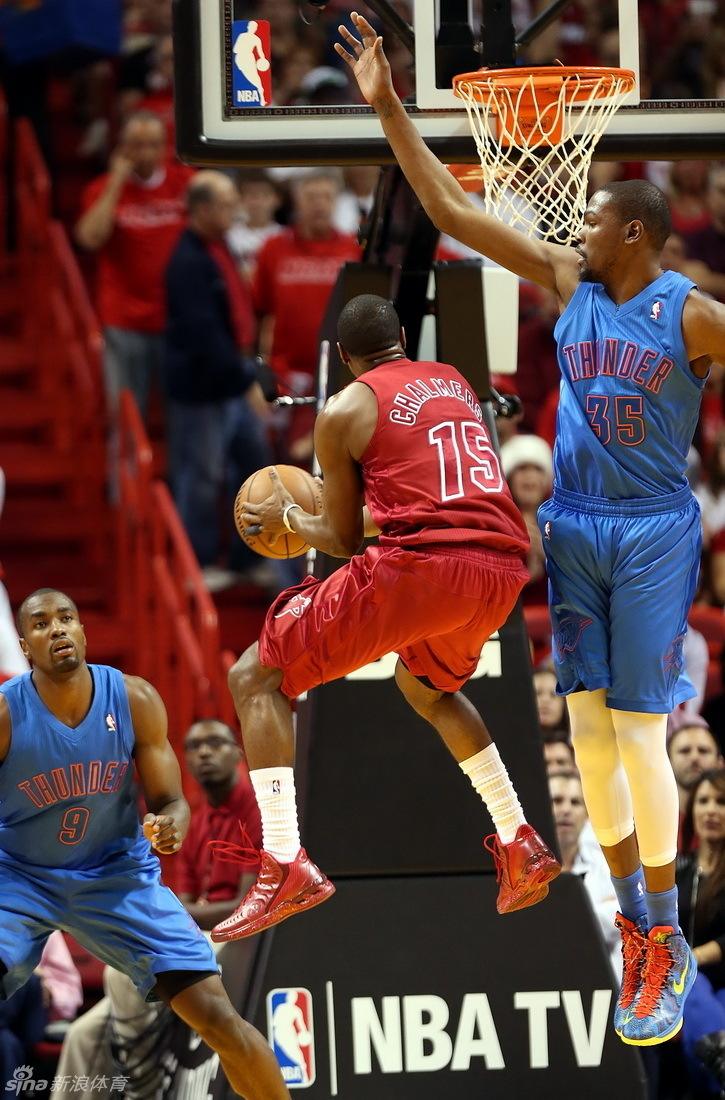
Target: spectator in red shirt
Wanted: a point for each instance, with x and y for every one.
(210, 890)
(296, 272)
(132, 217)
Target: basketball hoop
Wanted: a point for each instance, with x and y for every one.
(536, 131)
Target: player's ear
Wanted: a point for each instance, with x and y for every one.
(402, 337)
(345, 358)
(635, 232)
(25, 648)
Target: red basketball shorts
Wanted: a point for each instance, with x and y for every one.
(434, 608)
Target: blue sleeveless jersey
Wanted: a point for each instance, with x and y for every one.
(67, 796)
(629, 402)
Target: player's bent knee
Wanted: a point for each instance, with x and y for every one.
(250, 677)
(422, 699)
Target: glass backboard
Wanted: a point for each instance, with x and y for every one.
(257, 81)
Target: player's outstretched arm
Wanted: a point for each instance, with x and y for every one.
(167, 823)
(551, 266)
(703, 327)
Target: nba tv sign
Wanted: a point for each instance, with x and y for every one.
(251, 63)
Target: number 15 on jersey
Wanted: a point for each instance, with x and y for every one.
(466, 459)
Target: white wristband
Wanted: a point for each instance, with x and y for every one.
(287, 509)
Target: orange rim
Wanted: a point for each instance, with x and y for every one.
(549, 79)
(522, 98)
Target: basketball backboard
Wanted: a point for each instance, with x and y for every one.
(257, 81)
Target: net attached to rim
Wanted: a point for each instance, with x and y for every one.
(536, 131)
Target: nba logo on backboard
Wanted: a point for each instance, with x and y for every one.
(292, 1035)
(251, 63)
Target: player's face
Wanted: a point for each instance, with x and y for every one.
(600, 239)
(692, 752)
(708, 812)
(144, 143)
(53, 641)
(567, 806)
(212, 754)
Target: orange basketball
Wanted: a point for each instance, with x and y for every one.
(305, 491)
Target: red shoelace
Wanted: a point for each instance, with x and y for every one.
(632, 949)
(657, 965)
(491, 844)
(228, 852)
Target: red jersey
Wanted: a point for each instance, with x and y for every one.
(130, 273)
(292, 283)
(430, 472)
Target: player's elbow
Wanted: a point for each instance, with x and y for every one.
(445, 214)
(346, 546)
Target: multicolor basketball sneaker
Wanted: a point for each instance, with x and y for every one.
(633, 950)
(524, 869)
(668, 974)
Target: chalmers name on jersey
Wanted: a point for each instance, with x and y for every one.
(430, 472)
(629, 401)
(67, 795)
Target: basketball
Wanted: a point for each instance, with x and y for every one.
(262, 65)
(300, 485)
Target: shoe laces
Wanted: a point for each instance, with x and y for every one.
(633, 947)
(491, 844)
(228, 851)
(657, 965)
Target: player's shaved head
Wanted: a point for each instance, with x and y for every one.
(368, 324)
(26, 606)
(639, 200)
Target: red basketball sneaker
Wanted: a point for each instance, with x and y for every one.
(281, 890)
(524, 869)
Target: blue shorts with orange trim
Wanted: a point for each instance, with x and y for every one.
(622, 577)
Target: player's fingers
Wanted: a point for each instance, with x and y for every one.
(351, 39)
(253, 530)
(345, 55)
(168, 845)
(365, 29)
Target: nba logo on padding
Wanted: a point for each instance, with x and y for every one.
(292, 1035)
(251, 64)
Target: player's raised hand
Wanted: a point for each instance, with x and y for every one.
(366, 59)
(162, 833)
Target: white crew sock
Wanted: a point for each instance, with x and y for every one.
(275, 791)
(490, 780)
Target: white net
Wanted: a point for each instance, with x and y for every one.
(536, 142)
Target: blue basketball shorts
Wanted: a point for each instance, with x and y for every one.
(120, 912)
(621, 582)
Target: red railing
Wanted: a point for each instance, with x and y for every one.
(32, 207)
(161, 589)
